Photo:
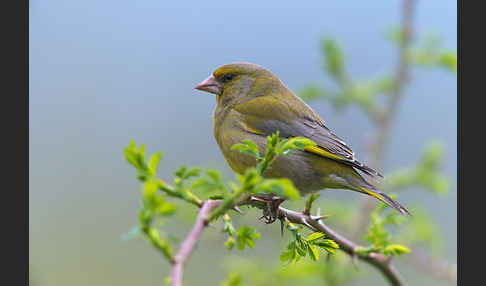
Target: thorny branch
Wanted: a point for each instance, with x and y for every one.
(314, 223)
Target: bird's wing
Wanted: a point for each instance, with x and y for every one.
(293, 118)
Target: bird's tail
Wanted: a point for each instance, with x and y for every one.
(385, 199)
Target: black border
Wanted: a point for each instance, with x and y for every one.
(14, 209)
(470, 147)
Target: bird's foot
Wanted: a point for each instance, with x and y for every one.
(271, 205)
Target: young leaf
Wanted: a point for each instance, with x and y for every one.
(166, 208)
(193, 172)
(248, 147)
(180, 172)
(395, 249)
(310, 200)
(315, 236)
(246, 236)
(286, 256)
(313, 254)
(280, 187)
(154, 162)
(328, 245)
(229, 243)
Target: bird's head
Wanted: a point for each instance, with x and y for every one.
(236, 81)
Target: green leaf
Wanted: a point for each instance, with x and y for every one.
(136, 158)
(301, 248)
(328, 245)
(215, 176)
(210, 183)
(395, 249)
(248, 147)
(246, 236)
(193, 172)
(294, 143)
(180, 172)
(166, 209)
(141, 151)
(154, 162)
(315, 236)
(286, 256)
(334, 57)
(313, 254)
(250, 180)
(216, 197)
(233, 280)
(448, 60)
(228, 225)
(230, 243)
(149, 190)
(280, 187)
(310, 200)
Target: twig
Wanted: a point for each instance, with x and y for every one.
(376, 259)
(190, 241)
(386, 119)
(314, 223)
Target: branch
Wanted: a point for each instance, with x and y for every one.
(190, 241)
(379, 261)
(401, 77)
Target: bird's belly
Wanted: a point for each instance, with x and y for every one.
(308, 172)
(299, 167)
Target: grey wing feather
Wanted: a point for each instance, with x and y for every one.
(322, 136)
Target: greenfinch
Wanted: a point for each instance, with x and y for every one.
(252, 103)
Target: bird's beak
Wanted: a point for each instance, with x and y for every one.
(210, 85)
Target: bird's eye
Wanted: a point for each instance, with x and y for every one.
(228, 77)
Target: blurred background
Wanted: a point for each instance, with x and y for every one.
(105, 72)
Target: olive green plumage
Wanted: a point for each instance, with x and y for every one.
(253, 103)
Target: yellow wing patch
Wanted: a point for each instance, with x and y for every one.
(252, 130)
(373, 194)
(322, 152)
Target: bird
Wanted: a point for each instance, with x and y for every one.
(253, 103)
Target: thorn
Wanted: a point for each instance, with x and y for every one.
(256, 199)
(318, 218)
(281, 227)
(238, 210)
(304, 222)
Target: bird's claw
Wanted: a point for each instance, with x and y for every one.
(271, 207)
